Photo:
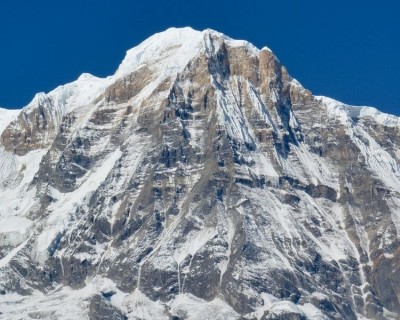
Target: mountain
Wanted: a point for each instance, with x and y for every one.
(200, 181)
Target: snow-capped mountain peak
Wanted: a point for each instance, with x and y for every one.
(199, 181)
(168, 50)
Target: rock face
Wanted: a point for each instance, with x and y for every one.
(200, 181)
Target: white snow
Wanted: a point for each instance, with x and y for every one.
(63, 303)
(68, 97)
(171, 50)
(17, 196)
(277, 307)
(6, 116)
(166, 54)
(14, 230)
(346, 112)
(231, 116)
(4, 261)
(312, 312)
(13, 223)
(193, 244)
(16, 173)
(168, 51)
(66, 204)
(139, 306)
(193, 308)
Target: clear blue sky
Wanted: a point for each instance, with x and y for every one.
(348, 50)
